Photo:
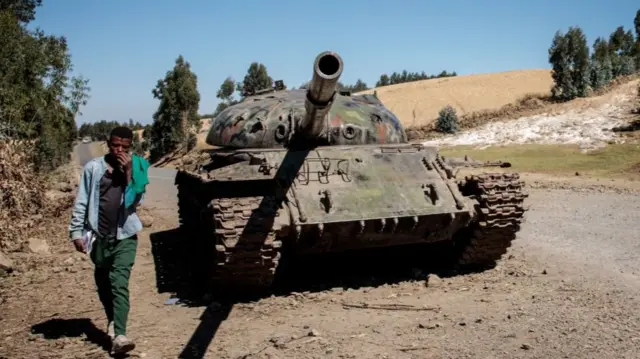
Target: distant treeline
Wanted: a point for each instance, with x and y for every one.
(99, 131)
(405, 76)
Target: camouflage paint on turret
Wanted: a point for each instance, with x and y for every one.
(274, 119)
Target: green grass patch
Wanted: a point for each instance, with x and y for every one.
(617, 160)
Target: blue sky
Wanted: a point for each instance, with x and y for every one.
(125, 46)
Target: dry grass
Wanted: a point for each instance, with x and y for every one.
(621, 161)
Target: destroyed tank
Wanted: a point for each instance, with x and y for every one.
(319, 170)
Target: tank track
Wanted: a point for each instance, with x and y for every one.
(500, 209)
(247, 251)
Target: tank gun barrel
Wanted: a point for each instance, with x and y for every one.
(327, 69)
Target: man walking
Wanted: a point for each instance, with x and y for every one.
(104, 224)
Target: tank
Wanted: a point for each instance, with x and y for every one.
(319, 170)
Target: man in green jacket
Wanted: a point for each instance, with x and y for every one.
(104, 224)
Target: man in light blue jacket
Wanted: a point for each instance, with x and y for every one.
(104, 224)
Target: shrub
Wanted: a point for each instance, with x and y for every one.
(447, 120)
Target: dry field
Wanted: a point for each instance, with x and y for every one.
(418, 103)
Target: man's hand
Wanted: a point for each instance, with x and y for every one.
(79, 245)
(124, 159)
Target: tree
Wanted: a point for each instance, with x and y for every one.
(621, 41)
(601, 69)
(384, 80)
(177, 114)
(38, 100)
(23, 10)
(622, 50)
(225, 93)
(257, 78)
(358, 86)
(601, 73)
(569, 57)
(601, 49)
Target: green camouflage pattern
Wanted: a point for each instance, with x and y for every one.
(265, 121)
(271, 119)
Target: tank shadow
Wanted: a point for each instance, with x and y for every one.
(172, 258)
(181, 269)
(360, 268)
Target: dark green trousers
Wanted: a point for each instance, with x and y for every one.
(113, 261)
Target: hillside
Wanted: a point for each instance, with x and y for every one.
(417, 103)
(585, 122)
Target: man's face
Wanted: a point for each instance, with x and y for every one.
(119, 145)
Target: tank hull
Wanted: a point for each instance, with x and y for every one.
(244, 206)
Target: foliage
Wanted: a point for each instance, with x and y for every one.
(177, 116)
(405, 76)
(24, 11)
(601, 73)
(22, 192)
(99, 131)
(38, 100)
(618, 56)
(225, 93)
(257, 78)
(447, 120)
(569, 57)
(357, 87)
(625, 66)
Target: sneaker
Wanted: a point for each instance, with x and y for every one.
(122, 345)
(111, 331)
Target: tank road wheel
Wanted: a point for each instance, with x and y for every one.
(500, 210)
(247, 251)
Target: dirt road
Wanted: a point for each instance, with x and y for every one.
(569, 288)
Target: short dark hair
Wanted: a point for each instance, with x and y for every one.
(122, 132)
